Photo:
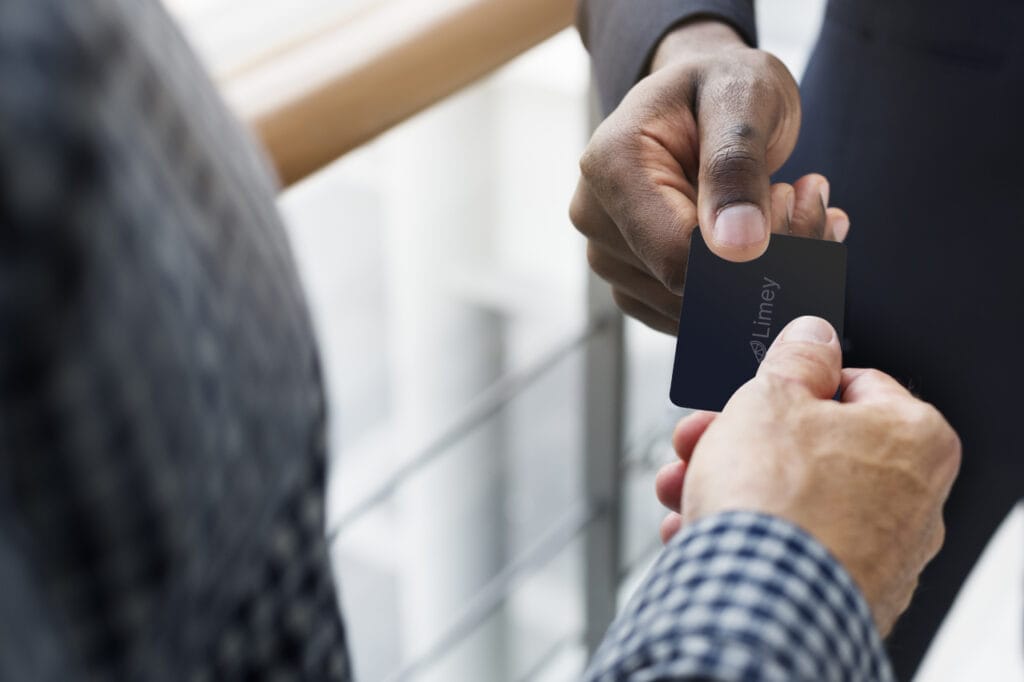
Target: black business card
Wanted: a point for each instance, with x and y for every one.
(733, 311)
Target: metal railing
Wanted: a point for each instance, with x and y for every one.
(587, 520)
(485, 406)
(490, 598)
(323, 97)
(595, 520)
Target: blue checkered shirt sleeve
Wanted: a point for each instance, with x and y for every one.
(743, 596)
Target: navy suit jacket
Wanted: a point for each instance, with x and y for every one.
(912, 109)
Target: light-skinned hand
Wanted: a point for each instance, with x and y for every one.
(867, 475)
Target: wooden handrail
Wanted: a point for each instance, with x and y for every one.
(339, 90)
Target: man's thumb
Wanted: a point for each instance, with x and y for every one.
(807, 352)
(734, 187)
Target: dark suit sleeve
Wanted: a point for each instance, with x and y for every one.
(622, 34)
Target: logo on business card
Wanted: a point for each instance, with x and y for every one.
(765, 318)
(759, 350)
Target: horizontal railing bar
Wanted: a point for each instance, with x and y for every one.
(550, 654)
(487, 404)
(496, 592)
(641, 453)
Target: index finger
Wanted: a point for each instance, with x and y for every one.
(634, 165)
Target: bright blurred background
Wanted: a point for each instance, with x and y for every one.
(465, 350)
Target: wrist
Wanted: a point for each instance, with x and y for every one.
(696, 37)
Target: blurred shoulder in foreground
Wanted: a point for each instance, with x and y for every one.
(161, 411)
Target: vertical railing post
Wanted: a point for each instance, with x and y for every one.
(604, 415)
(602, 461)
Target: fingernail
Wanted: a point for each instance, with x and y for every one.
(740, 225)
(841, 229)
(808, 329)
(826, 191)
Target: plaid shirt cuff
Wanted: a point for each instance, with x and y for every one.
(744, 596)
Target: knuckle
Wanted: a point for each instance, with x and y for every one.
(800, 360)
(759, 82)
(589, 160)
(763, 62)
(600, 154)
(734, 167)
(798, 370)
(956, 448)
(926, 423)
(908, 594)
(938, 538)
(875, 376)
(763, 77)
(625, 302)
(738, 81)
(670, 269)
(952, 449)
(578, 212)
(608, 163)
(922, 418)
(918, 420)
(599, 262)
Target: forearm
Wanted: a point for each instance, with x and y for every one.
(744, 596)
(622, 35)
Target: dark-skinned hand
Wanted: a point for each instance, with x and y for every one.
(695, 143)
